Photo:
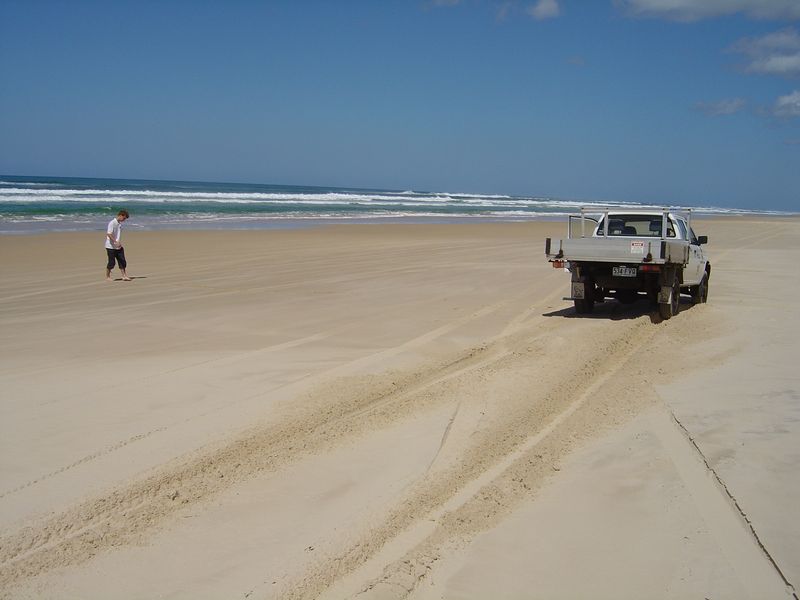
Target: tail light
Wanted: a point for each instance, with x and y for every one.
(650, 268)
(558, 264)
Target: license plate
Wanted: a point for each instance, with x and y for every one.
(624, 271)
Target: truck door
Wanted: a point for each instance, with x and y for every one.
(691, 273)
(695, 266)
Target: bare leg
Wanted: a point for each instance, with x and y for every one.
(108, 274)
(125, 275)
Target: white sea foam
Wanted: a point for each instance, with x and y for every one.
(360, 204)
(72, 195)
(369, 202)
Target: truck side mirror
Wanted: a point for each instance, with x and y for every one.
(702, 239)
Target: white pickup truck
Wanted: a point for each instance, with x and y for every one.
(623, 252)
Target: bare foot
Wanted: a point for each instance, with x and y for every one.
(127, 279)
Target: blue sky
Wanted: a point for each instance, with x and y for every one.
(681, 101)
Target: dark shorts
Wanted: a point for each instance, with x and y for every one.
(118, 256)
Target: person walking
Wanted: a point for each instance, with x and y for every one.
(114, 249)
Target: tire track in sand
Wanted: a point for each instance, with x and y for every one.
(728, 523)
(411, 555)
(351, 366)
(454, 505)
(127, 513)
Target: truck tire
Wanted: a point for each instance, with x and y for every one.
(700, 291)
(670, 309)
(652, 296)
(584, 306)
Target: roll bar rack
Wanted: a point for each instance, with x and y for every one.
(605, 210)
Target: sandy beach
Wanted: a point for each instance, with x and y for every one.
(393, 411)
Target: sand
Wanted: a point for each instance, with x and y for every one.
(393, 411)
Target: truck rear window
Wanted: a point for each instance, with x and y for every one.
(634, 225)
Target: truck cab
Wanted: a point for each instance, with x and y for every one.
(657, 225)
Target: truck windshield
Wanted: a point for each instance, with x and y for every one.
(634, 225)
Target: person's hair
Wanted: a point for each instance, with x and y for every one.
(123, 213)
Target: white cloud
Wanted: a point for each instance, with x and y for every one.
(694, 10)
(776, 53)
(777, 65)
(721, 108)
(544, 9)
(787, 107)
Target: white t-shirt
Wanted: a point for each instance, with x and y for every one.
(115, 230)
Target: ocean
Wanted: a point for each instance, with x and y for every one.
(33, 204)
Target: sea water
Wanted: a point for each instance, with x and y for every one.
(29, 204)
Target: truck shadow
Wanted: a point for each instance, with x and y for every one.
(614, 310)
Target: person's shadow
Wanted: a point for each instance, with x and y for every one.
(131, 278)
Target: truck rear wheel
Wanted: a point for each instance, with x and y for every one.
(584, 306)
(652, 296)
(670, 309)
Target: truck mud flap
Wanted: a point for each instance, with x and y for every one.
(665, 295)
(578, 290)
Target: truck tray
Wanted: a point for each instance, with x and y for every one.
(618, 250)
